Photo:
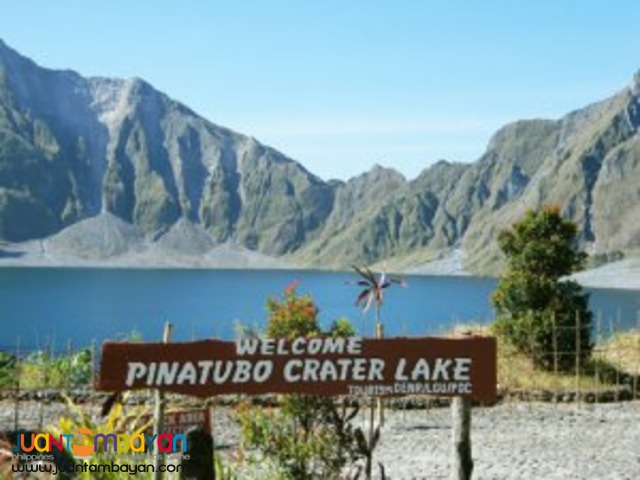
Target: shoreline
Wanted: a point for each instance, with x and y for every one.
(602, 278)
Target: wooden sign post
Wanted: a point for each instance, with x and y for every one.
(196, 424)
(463, 368)
(462, 460)
(315, 366)
(158, 415)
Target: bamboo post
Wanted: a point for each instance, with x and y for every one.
(213, 439)
(554, 330)
(578, 354)
(404, 399)
(16, 406)
(379, 404)
(92, 353)
(69, 377)
(596, 364)
(534, 354)
(611, 360)
(618, 366)
(637, 372)
(44, 377)
(369, 464)
(158, 416)
(462, 460)
(554, 326)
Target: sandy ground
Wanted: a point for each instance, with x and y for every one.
(40, 254)
(519, 441)
(624, 274)
(524, 441)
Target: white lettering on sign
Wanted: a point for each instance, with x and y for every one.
(447, 388)
(190, 373)
(314, 365)
(461, 372)
(440, 369)
(300, 346)
(297, 370)
(135, 372)
(340, 370)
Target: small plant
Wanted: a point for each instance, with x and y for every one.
(308, 437)
(223, 471)
(373, 291)
(8, 370)
(39, 369)
(366, 449)
(119, 419)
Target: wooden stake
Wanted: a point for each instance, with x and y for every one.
(379, 404)
(554, 330)
(44, 378)
(598, 344)
(637, 372)
(555, 344)
(158, 416)
(578, 354)
(93, 363)
(213, 439)
(69, 362)
(462, 460)
(616, 330)
(16, 408)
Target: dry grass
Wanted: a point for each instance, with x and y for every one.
(622, 351)
(517, 372)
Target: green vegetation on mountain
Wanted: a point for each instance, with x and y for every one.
(72, 148)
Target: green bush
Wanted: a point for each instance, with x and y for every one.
(41, 370)
(308, 437)
(537, 310)
(8, 368)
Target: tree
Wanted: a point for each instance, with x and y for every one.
(537, 308)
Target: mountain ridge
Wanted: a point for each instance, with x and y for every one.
(72, 148)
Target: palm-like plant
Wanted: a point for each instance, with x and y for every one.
(373, 291)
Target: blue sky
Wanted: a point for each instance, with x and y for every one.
(343, 85)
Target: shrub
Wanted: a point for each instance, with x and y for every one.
(119, 419)
(536, 309)
(8, 370)
(39, 369)
(308, 437)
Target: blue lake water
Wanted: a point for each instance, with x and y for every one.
(42, 306)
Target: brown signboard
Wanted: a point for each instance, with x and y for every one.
(319, 366)
(180, 421)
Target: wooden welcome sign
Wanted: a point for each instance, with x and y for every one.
(353, 366)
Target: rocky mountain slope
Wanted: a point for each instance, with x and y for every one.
(73, 148)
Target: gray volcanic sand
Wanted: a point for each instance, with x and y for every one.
(518, 441)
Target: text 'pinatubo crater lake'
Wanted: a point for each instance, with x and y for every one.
(53, 306)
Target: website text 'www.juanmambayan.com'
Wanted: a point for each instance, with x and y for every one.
(131, 469)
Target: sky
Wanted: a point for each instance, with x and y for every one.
(342, 85)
